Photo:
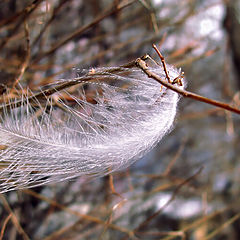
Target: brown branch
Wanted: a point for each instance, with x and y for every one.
(140, 62)
(89, 77)
(89, 218)
(175, 158)
(14, 218)
(24, 16)
(25, 63)
(4, 225)
(46, 93)
(175, 192)
(11, 19)
(52, 18)
(113, 9)
(143, 65)
(163, 63)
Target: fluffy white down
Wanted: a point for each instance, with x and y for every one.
(129, 114)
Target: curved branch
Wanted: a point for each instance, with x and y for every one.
(143, 65)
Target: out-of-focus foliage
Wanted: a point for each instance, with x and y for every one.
(188, 186)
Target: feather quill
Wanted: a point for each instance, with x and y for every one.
(99, 126)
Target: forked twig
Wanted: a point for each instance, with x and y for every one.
(143, 65)
(89, 218)
(112, 10)
(14, 218)
(175, 192)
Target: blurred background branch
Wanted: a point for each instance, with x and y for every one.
(45, 40)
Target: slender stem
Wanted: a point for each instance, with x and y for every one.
(113, 9)
(46, 93)
(140, 63)
(143, 65)
(163, 63)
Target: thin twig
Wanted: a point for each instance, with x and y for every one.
(24, 16)
(14, 218)
(76, 213)
(226, 224)
(200, 221)
(175, 158)
(91, 76)
(4, 225)
(113, 9)
(143, 65)
(163, 63)
(149, 219)
(114, 208)
(48, 23)
(27, 56)
(4, 22)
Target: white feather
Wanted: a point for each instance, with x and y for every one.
(131, 113)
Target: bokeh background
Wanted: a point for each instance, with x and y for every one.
(187, 187)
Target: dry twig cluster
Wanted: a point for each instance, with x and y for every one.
(186, 188)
